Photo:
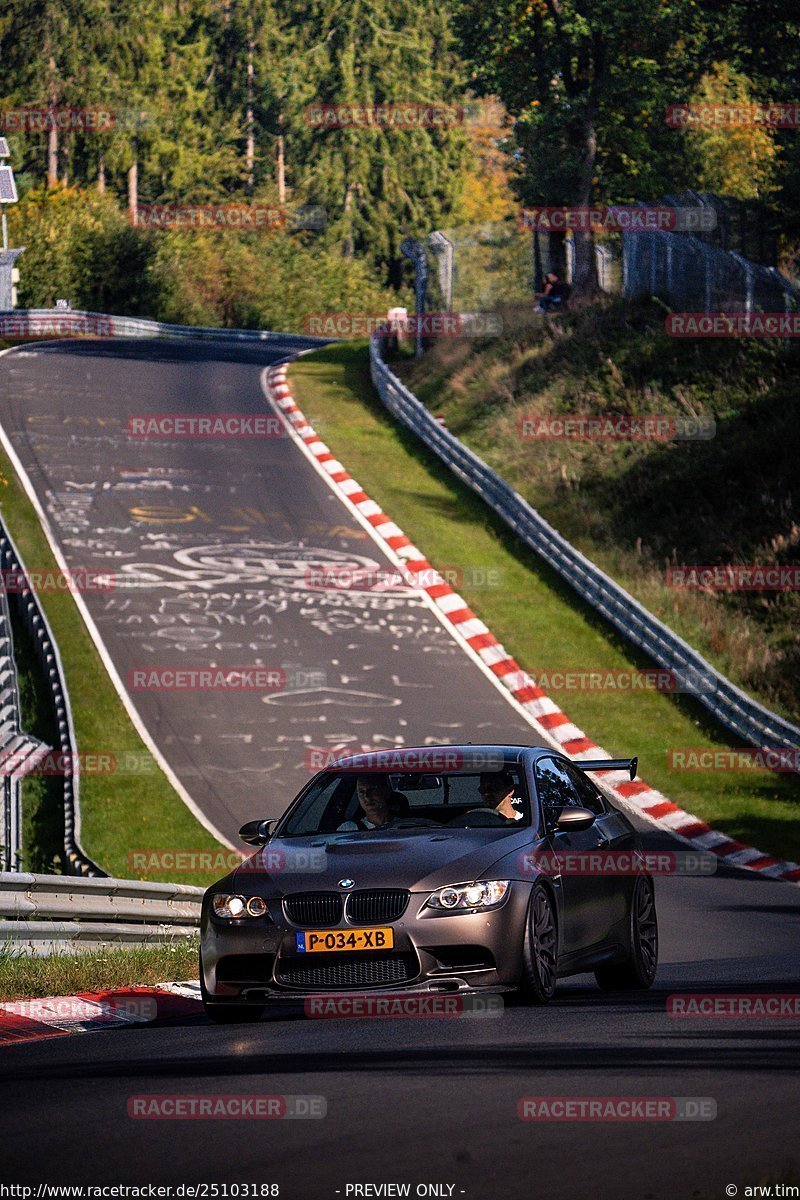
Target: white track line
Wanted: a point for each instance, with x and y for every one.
(94, 633)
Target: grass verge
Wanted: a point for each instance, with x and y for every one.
(120, 812)
(42, 795)
(29, 976)
(539, 619)
(640, 506)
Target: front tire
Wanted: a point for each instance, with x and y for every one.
(638, 970)
(540, 951)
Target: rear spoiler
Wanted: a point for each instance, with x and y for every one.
(608, 764)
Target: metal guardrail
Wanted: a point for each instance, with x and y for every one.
(745, 717)
(19, 752)
(33, 617)
(36, 323)
(46, 912)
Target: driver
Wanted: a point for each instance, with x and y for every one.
(497, 792)
(375, 798)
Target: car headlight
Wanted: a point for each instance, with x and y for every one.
(462, 897)
(234, 907)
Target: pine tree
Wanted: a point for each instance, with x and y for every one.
(47, 48)
(378, 183)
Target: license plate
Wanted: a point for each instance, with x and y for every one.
(332, 940)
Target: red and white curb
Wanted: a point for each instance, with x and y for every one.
(92, 1012)
(541, 712)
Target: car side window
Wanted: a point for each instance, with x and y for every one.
(556, 789)
(588, 794)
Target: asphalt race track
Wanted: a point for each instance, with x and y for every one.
(435, 1101)
(209, 543)
(408, 1101)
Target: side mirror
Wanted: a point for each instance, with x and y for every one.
(573, 820)
(256, 833)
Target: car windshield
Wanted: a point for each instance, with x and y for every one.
(346, 802)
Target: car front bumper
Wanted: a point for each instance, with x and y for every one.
(255, 961)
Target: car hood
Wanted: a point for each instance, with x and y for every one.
(418, 861)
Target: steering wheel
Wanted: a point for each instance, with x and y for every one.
(410, 822)
(477, 817)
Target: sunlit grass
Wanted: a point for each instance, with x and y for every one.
(25, 976)
(532, 612)
(121, 813)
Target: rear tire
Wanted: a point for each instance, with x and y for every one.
(638, 970)
(540, 950)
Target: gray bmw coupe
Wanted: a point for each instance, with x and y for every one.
(449, 869)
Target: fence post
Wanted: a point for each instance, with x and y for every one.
(414, 250)
(709, 277)
(446, 252)
(627, 264)
(749, 276)
(569, 251)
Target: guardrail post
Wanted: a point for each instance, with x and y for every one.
(8, 843)
(30, 750)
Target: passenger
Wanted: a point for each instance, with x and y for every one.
(375, 797)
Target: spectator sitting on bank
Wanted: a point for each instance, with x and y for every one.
(555, 294)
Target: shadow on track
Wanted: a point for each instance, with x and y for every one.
(173, 350)
(662, 1044)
